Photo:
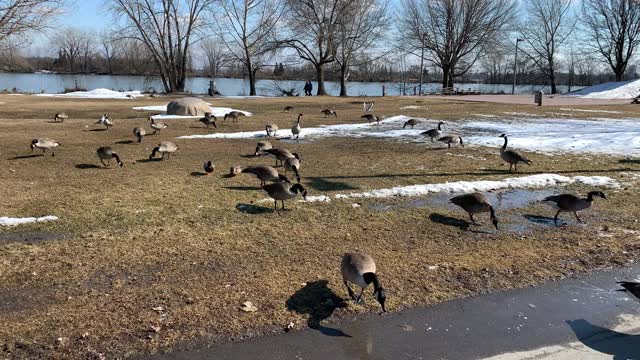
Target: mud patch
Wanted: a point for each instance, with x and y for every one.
(31, 238)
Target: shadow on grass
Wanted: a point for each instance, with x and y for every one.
(248, 156)
(321, 184)
(125, 142)
(319, 302)
(198, 174)
(606, 341)
(25, 156)
(253, 209)
(243, 188)
(97, 130)
(450, 221)
(147, 160)
(629, 161)
(87, 166)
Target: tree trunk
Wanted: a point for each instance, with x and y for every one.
(445, 77)
(252, 81)
(343, 80)
(552, 79)
(320, 79)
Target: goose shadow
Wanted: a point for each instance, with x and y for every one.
(87, 166)
(253, 209)
(544, 220)
(20, 157)
(197, 174)
(605, 341)
(450, 221)
(629, 161)
(318, 301)
(248, 156)
(147, 160)
(125, 142)
(242, 188)
(322, 184)
(97, 130)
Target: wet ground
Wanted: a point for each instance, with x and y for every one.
(567, 319)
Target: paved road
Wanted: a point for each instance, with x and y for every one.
(582, 318)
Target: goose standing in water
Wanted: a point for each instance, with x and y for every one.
(475, 203)
(410, 122)
(434, 133)
(511, 156)
(451, 139)
(296, 129)
(208, 119)
(329, 112)
(208, 167)
(571, 203)
(44, 144)
(293, 164)
(60, 116)
(282, 191)
(360, 269)
(106, 153)
(265, 173)
(271, 129)
(371, 118)
(233, 115)
(157, 125)
(165, 148)
(139, 133)
(263, 146)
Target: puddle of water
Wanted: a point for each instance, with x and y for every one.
(293, 141)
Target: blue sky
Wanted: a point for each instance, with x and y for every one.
(86, 14)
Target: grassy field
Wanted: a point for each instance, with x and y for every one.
(152, 257)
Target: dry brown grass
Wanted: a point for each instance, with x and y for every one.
(152, 235)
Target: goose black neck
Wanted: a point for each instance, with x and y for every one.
(504, 147)
(115, 156)
(439, 126)
(155, 150)
(492, 212)
(591, 195)
(371, 277)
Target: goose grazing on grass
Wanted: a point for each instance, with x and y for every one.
(157, 125)
(271, 129)
(234, 115)
(44, 144)
(329, 112)
(571, 203)
(106, 153)
(434, 133)
(451, 139)
(293, 164)
(208, 167)
(631, 287)
(475, 203)
(410, 122)
(296, 129)
(139, 133)
(165, 148)
(208, 119)
(370, 118)
(511, 156)
(282, 191)
(360, 270)
(265, 173)
(60, 117)
(263, 146)
(288, 108)
(280, 154)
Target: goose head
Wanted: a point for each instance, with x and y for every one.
(381, 296)
(598, 194)
(33, 144)
(299, 189)
(295, 155)
(503, 136)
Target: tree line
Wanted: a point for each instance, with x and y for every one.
(576, 43)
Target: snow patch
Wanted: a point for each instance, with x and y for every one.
(611, 90)
(592, 111)
(9, 221)
(97, 94)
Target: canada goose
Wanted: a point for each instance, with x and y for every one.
(104, 120)
(131, 96)
(164, 148)
(293, 164)
(511, 156)
(288, 108)
(157, 125)
(271, 129)
(296, 129)
(44, 144)
(234, 115)
(60, 116)
(410, 122)
(265, 173)
(280, 154)
(370, 118)
(434, 133)
(571, 203)
(282, 191)
(360, 269)
(208, 167)
(329, 112)
(475, 203)
(106, 153)
(263, 146)
(451, 139)
(631, 287)
(368, 106)
(139, 133)
(209, 119)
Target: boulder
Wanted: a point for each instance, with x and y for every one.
(188, 107)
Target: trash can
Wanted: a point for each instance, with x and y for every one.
(538, 97)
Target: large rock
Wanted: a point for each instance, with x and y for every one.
(188, 107)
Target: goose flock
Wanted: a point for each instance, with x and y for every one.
(357, 269)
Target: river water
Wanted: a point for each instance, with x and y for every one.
(56, 83)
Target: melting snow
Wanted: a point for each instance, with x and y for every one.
(8, 221)
(610, 90)
(593, 111)
(97, 94)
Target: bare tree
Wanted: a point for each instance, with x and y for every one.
(613, 29)
(135, 57)
(247, 29)
(69, 43)
(360, 28)
(548, 24)
(215, 56)
(110, 48)
(312, 32)
(168, 28)
(454, 33)
(87, 49)
(18, 17)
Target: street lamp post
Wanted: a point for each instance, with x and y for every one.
(421, 67)
(515, 67)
